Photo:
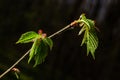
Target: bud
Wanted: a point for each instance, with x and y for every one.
(40, 31)
(44, 35)
(16, 70)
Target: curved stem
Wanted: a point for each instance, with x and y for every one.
(20, 59)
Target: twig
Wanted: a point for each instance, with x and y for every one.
(61, 30)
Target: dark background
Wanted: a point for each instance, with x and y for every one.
(67, 60)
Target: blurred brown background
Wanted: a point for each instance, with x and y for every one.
(67, 60)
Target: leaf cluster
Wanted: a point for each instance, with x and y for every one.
(40, 47)
(90, 38)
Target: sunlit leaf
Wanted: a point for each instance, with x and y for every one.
(92, 43)
(41, 54)
(90, 37)
(27, 37)
(91, 23)
(49, 42)
(34, 49)
(82, 30)
(85, 20)
(84, 38)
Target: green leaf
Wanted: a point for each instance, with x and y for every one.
(41, 53)
(82, 30)
(49, 42)
(84, 38)
(90, 38)
(93, 40)
(34, 49)
(91, 23)
(27, 37)
(38, 51)
(85, 20)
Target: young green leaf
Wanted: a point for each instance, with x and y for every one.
(85, 21)
(93, 41)
(39, 50)
(91, 23)
(34, 49)
(84, 38)
(41, 54)
(49, 42)
(90, 37)
(82, 30)
(27, 37)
